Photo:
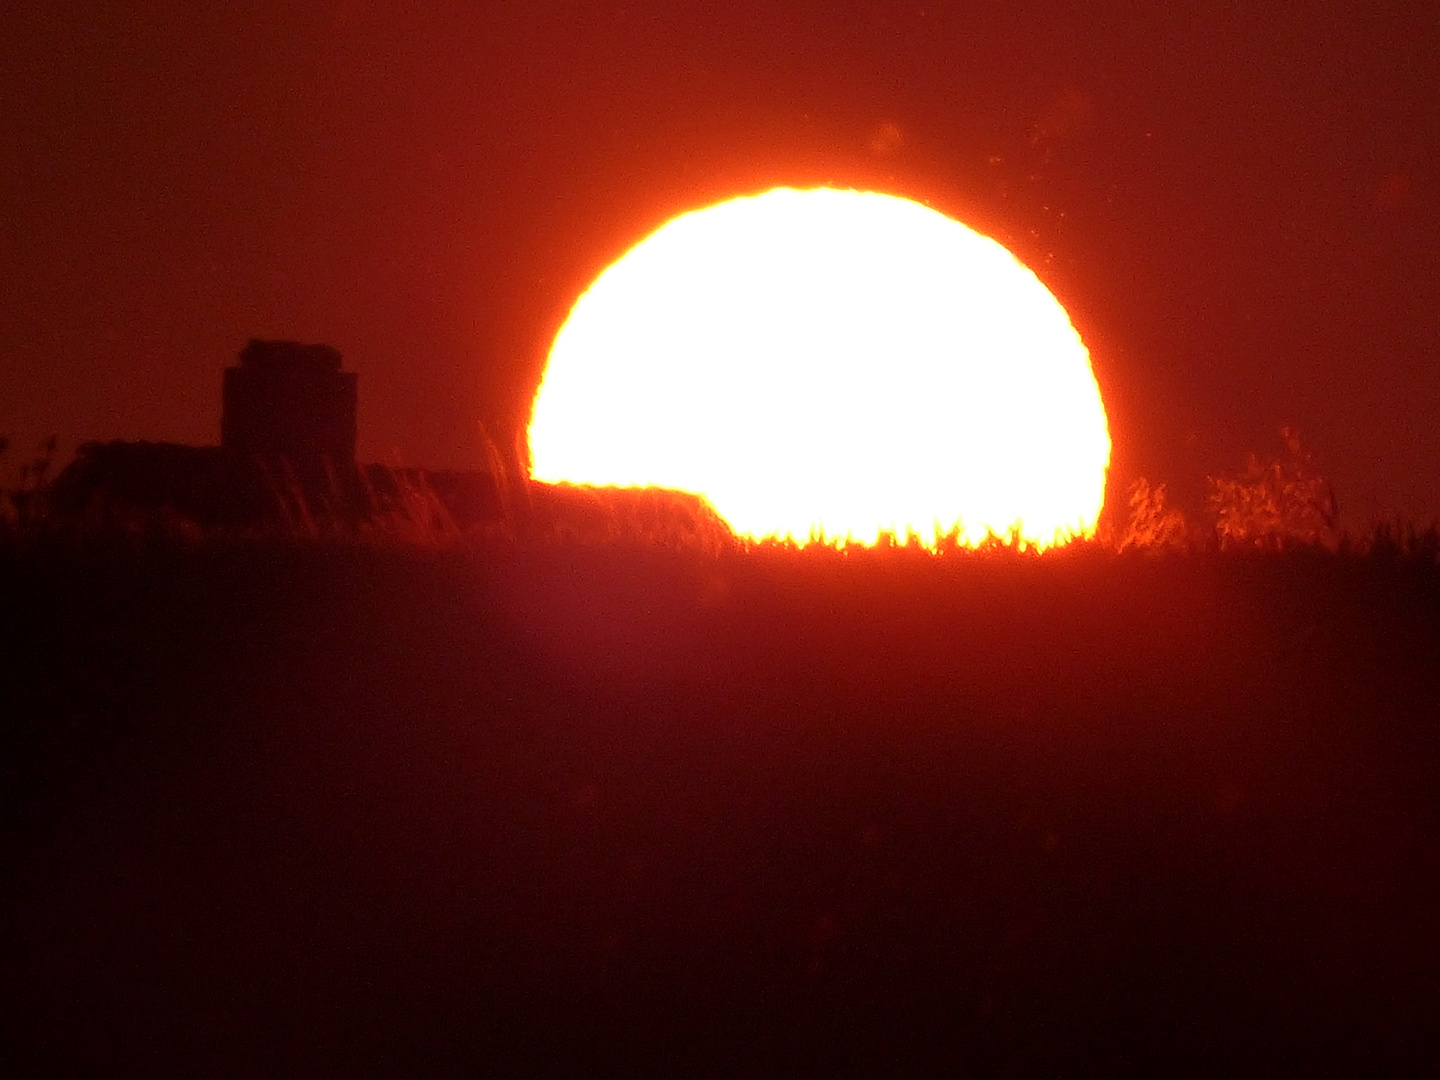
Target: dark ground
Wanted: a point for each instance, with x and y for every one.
(570, 811)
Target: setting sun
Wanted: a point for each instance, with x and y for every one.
(830, 364)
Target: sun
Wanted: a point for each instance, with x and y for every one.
(830, 365)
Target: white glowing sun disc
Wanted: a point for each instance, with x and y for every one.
(829, 363)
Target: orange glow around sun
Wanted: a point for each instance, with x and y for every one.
(831, 365)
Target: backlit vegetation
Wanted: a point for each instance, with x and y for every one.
(1151, 524)
(1276, 502)
(21, 493)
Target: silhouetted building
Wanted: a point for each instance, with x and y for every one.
(286, 461)
(291, 401)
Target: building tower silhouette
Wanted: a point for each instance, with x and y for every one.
(289, 401)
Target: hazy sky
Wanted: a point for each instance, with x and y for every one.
(1236, 201)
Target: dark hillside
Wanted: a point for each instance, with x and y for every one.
(274, 809)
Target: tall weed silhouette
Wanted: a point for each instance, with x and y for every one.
(1275, 503)
(22, 505)
(1151, 524)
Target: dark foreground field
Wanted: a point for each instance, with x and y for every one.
(586, 811)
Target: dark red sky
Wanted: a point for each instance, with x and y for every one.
(1236, 201)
